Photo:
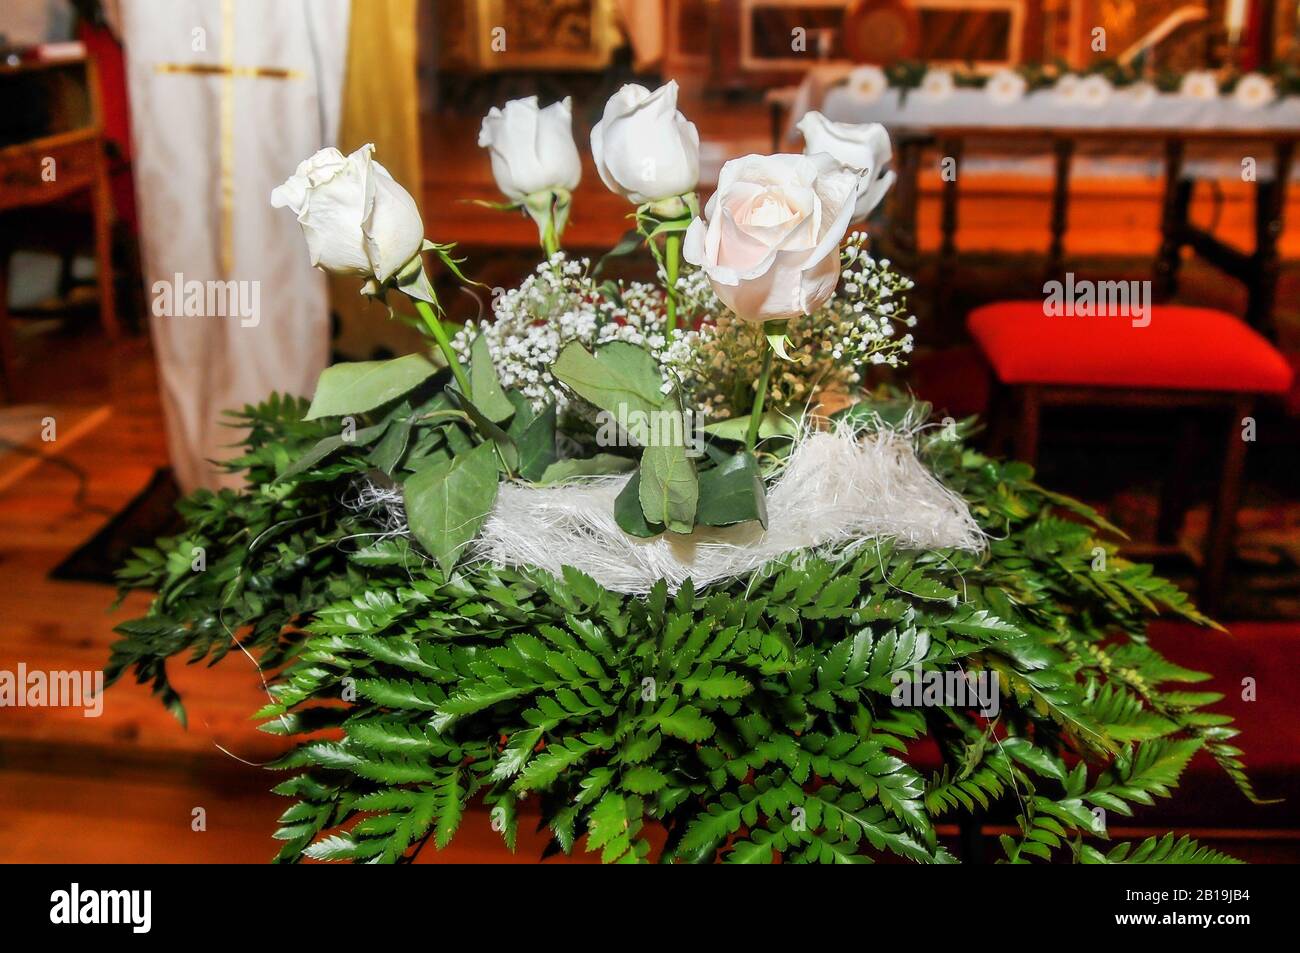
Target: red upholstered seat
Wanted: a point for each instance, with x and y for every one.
(1195, 349)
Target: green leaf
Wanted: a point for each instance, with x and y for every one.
(620, 378)
(644, 780)
(686, 723)
(602, 464)
(388, 453)
(509, 453)
(365, 385)
(628, 513)
(328, 445)
(629, 243)
(484, 385)
(536, 445)
(669, 491)
(732, 493)
(736, 429)
(447, 502)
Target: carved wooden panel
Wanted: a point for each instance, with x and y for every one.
(488, 35)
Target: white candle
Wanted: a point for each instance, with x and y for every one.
(1234, 19)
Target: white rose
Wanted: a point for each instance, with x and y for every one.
(1200, 84)
(645, 150)
(1006, 86)
(1254, 91)
(862, 147)
(937, 85)
(770, 238)
(357, 220)
(532, 149)
(868, 83)
(1095, 91)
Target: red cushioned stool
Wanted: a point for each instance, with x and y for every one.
(1183, 357)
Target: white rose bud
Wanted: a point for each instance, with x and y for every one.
(862, 147)
(645, 150)
(532, 149)
(770, 239)
(357, 220)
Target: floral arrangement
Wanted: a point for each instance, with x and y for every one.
(1090, 88)
(511, 571)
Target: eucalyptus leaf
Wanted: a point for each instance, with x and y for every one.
(447, 502)
(364, 385)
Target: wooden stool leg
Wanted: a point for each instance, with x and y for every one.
(1223, 518)
(997, 415)
(1175, 491)
(1027, 428)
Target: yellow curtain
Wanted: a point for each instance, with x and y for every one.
(381, 104)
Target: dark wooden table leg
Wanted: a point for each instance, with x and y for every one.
(1173, 221)
(1063, 157)
(904, 200)
(950, 151)
(1223, 517)
(1270, 214)
(776, 115)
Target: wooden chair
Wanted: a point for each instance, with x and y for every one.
(62, 158)
(1185, 357)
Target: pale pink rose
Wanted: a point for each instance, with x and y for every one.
(769, 240)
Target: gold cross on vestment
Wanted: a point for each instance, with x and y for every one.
(229, 71)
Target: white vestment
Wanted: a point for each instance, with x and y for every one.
(227, 97)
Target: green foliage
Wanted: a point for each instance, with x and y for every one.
(746, 723)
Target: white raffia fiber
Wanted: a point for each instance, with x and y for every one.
(837, 490)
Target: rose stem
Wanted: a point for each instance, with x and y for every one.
(672, 252)
(756, 416)
(550, 238)
(444, 344)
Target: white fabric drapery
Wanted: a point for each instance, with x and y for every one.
(227, 96)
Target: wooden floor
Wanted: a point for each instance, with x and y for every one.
(124, 786)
